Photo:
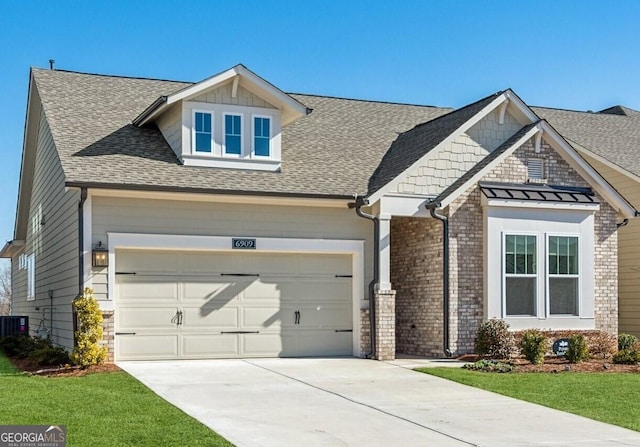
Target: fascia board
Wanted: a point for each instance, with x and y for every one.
(499, 159)
(466, 126)
(595, 180)
(521, 106)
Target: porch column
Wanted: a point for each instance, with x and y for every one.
(385, 297)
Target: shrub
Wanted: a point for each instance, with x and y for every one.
(50, 355)
(489, 366)
(626, 356)
(534, 346)
(89, 334)
(41, 351)
(602, 344)
(626, 341)
(577, 351)
(494, 340)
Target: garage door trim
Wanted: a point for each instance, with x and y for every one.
(144, 241)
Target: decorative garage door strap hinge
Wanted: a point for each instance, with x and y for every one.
(239, 274)
(125, 333)
(344, 330)
(344, 276)
(125, 273)
(240, 332)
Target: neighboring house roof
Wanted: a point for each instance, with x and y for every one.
(613, 134)
(330, 153)
(412, 145)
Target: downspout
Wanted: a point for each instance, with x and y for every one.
(431, 206)
(83, 198)
(360, 202)
(622, 224)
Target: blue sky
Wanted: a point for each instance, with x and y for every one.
(582, 55)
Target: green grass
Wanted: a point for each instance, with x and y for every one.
(608, 397)
(104, 409)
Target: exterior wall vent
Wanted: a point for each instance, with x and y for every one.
(535, 170)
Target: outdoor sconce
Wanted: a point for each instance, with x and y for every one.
(100, 255)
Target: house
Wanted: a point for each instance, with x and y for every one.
(227, 218)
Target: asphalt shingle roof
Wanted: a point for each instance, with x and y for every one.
(343, 147)
(331, 152)
(613, 136)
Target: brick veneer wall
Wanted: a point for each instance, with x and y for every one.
(416, 258)
(108, 334)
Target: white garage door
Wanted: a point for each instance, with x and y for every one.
(232, 304)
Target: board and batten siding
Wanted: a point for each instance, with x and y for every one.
(127, 215)
(628, 251)
(223, 95)
(52, 236)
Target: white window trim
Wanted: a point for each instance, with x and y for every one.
(547, 275)
(253, 137)
(224, 135)
(504, 274)
(193, 133)
(31, 277)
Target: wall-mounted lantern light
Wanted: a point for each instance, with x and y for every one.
(100, 255)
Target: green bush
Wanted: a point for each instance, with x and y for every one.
(41, 351)
(577, 350)
(626, 356)
(534, 346)
(494, 340)
(89, 334)
(626, 341)
(50, 355)
(489, 366)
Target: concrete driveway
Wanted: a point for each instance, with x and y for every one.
(354, 402)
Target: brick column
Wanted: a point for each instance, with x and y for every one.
(108, 334)
(385, 301)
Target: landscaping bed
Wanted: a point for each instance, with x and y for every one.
(562, 365)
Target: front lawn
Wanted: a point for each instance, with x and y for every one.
(606, 397)
(102, 409)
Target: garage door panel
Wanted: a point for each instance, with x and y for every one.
(316, 343)
(316, 290)
(325, 316)
(261, 290)
(147, 347)
(138, 288)
(220, 318)
(205, 262)
(145, 262)
(158, 318)
(324, 265)
(265, 318)
(262, 345)
(212, 290)
(210, 345)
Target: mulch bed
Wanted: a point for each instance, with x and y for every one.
(562, 365)
(29, 367)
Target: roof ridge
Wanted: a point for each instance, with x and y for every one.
(375, 101)
(142, 78)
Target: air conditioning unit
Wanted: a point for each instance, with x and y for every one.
(14, 325)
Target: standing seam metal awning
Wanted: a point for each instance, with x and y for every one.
(538, 193)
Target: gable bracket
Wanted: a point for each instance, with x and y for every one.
(503, 111)
(538, 141)
(234, 87)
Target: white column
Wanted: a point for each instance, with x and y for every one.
(384, 266)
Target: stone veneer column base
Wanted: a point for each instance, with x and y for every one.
(385, 302)
(108, 335)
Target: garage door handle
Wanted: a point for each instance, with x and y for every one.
(240, 332)
(296, 316)
(125, 333)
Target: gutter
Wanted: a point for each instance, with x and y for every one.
(360, 202)
(83, 198)
(431, 206)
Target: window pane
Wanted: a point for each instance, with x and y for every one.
(521, 296)
(510, 266)
(206, 122)
(232, 144)
(563, 255)
(203, 142)
(262, 146)
(563, 296)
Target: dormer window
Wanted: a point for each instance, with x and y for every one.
(232, 134)
(262, 136)
(202, 132)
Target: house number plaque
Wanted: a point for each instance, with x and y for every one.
(243, 244)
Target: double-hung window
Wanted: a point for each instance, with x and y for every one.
(202, 132)
(232, 134)
(563, 271)
(520, 279)
(261, 136)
